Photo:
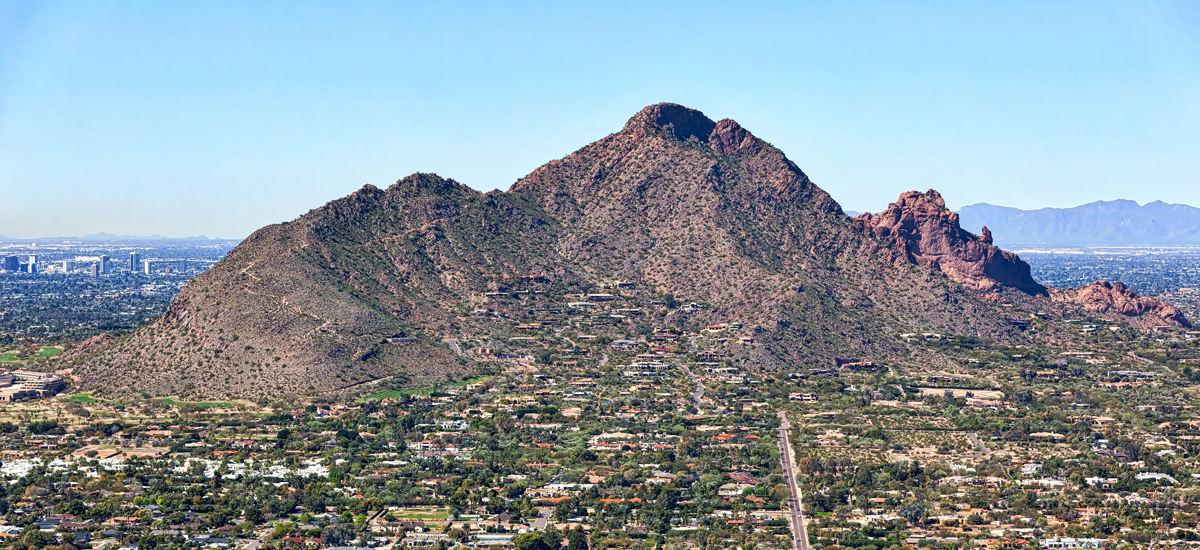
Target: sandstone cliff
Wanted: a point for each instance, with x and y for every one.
(925, 232)
(1106, 297)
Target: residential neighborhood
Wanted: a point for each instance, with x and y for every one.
(601, 429)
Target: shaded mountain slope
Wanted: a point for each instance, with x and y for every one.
(676, 202)
(308, 305)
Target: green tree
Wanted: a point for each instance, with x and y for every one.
(576, 540)
(552, 538)
(530, 541)
(36, 538)
(339, 534)
(914, 513)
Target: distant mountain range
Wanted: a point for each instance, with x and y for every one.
(110, 237)
(1118, 222)
(102, 237)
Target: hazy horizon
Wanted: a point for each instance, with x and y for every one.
(153, 236)
(178, 120)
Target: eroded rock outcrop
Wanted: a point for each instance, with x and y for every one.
(1106, 297)
(86, 347)
(926, 233)
(929, 234)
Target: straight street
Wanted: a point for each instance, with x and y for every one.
(795, 514)
(543, 519)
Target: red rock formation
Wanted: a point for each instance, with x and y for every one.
(928, 234)
(1104, 297)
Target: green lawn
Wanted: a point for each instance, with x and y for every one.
(85, 399)
(465, 382)
(199, 404)
(394, 394)
(45, 352)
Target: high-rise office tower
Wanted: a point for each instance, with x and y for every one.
(146, 267)
(134, 260)
(181, 265)
(95, 270)
(12, 263)
(68, 266)
(103, 264)
(33, 267)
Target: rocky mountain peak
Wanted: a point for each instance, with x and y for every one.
(679, 123)
(422, 183)
(669, 157)
(916, 199)
(929, 234)
(675, 121)
(729, 138)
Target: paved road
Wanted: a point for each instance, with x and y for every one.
(453, 345)
(974, 437)
(558, 334)
(699, 393)
(983, 449)
(543, 518)
(1137, 357)
(696, 395)
(796, 515)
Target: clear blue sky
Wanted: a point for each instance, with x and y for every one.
(218, 117)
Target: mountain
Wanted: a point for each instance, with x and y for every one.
(1119, 222)
(367, 286)
(111, 237)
